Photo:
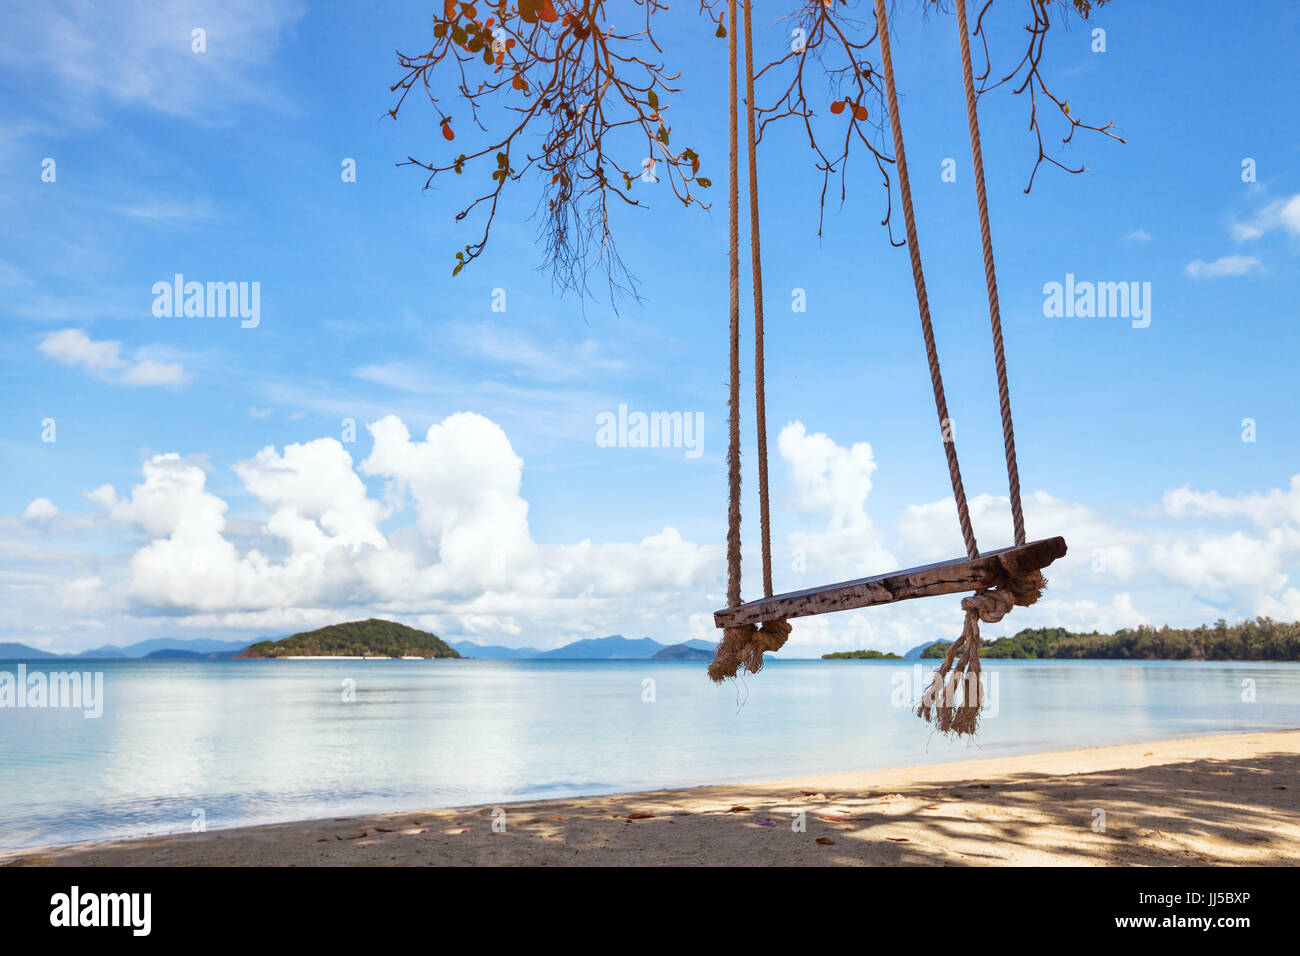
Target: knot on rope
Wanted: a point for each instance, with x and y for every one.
(989, 606)
(953, 700)
(743, 646)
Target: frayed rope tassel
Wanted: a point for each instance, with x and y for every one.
(955, 696)
(743, 646)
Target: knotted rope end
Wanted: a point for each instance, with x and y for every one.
(955, 696)
(743, 645)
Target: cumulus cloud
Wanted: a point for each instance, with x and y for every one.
(1267, 509)
(831, 482)
(1224, 562)
(104, 360)
(1101, 552)
(467, 559)
(433, 529)
(40, 511)
(1249, 564)
(1233, 265)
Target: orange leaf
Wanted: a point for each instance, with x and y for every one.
(825, 841)
(837, 107)
(548, 12)
(446, 130)
(859, 113)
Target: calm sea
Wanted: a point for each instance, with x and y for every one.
(234, 743)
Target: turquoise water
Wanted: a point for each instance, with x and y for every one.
(263, 741)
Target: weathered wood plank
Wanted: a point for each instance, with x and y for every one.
(991, 569)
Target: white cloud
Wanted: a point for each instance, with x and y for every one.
(433, 530)
(1223, 562)
(1266, 510)
(161, 210)
(555, 359)
(40, 511)
(128, 54)
(468, 556)
(1101, 553)
(1280, 214)
(1233, 265)
(104, 360)
(832, 482)
(1139, 235)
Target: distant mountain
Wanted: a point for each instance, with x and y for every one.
(106, 653)
(916, 653)
(369, 638)
(177, 654)
(493, 651)
(21, 652)
(200, 645)
(616, 647)
(682, 652)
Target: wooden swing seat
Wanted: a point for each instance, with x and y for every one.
(990, 569)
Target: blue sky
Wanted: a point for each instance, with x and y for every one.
(199, 484)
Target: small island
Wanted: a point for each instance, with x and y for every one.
(860, 656)
(355, 640)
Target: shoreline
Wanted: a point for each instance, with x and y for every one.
(1221, 799)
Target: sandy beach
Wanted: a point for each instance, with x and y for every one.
(1230, 800)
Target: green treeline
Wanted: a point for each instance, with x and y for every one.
(860, 656)
(1262, 639)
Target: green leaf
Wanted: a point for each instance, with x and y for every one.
(653, 99)
(704, 182)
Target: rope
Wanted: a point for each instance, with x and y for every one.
(756, 263)
(953, 700)
(743, 646)
(991, 279)
(918, 277)
(733, 442)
